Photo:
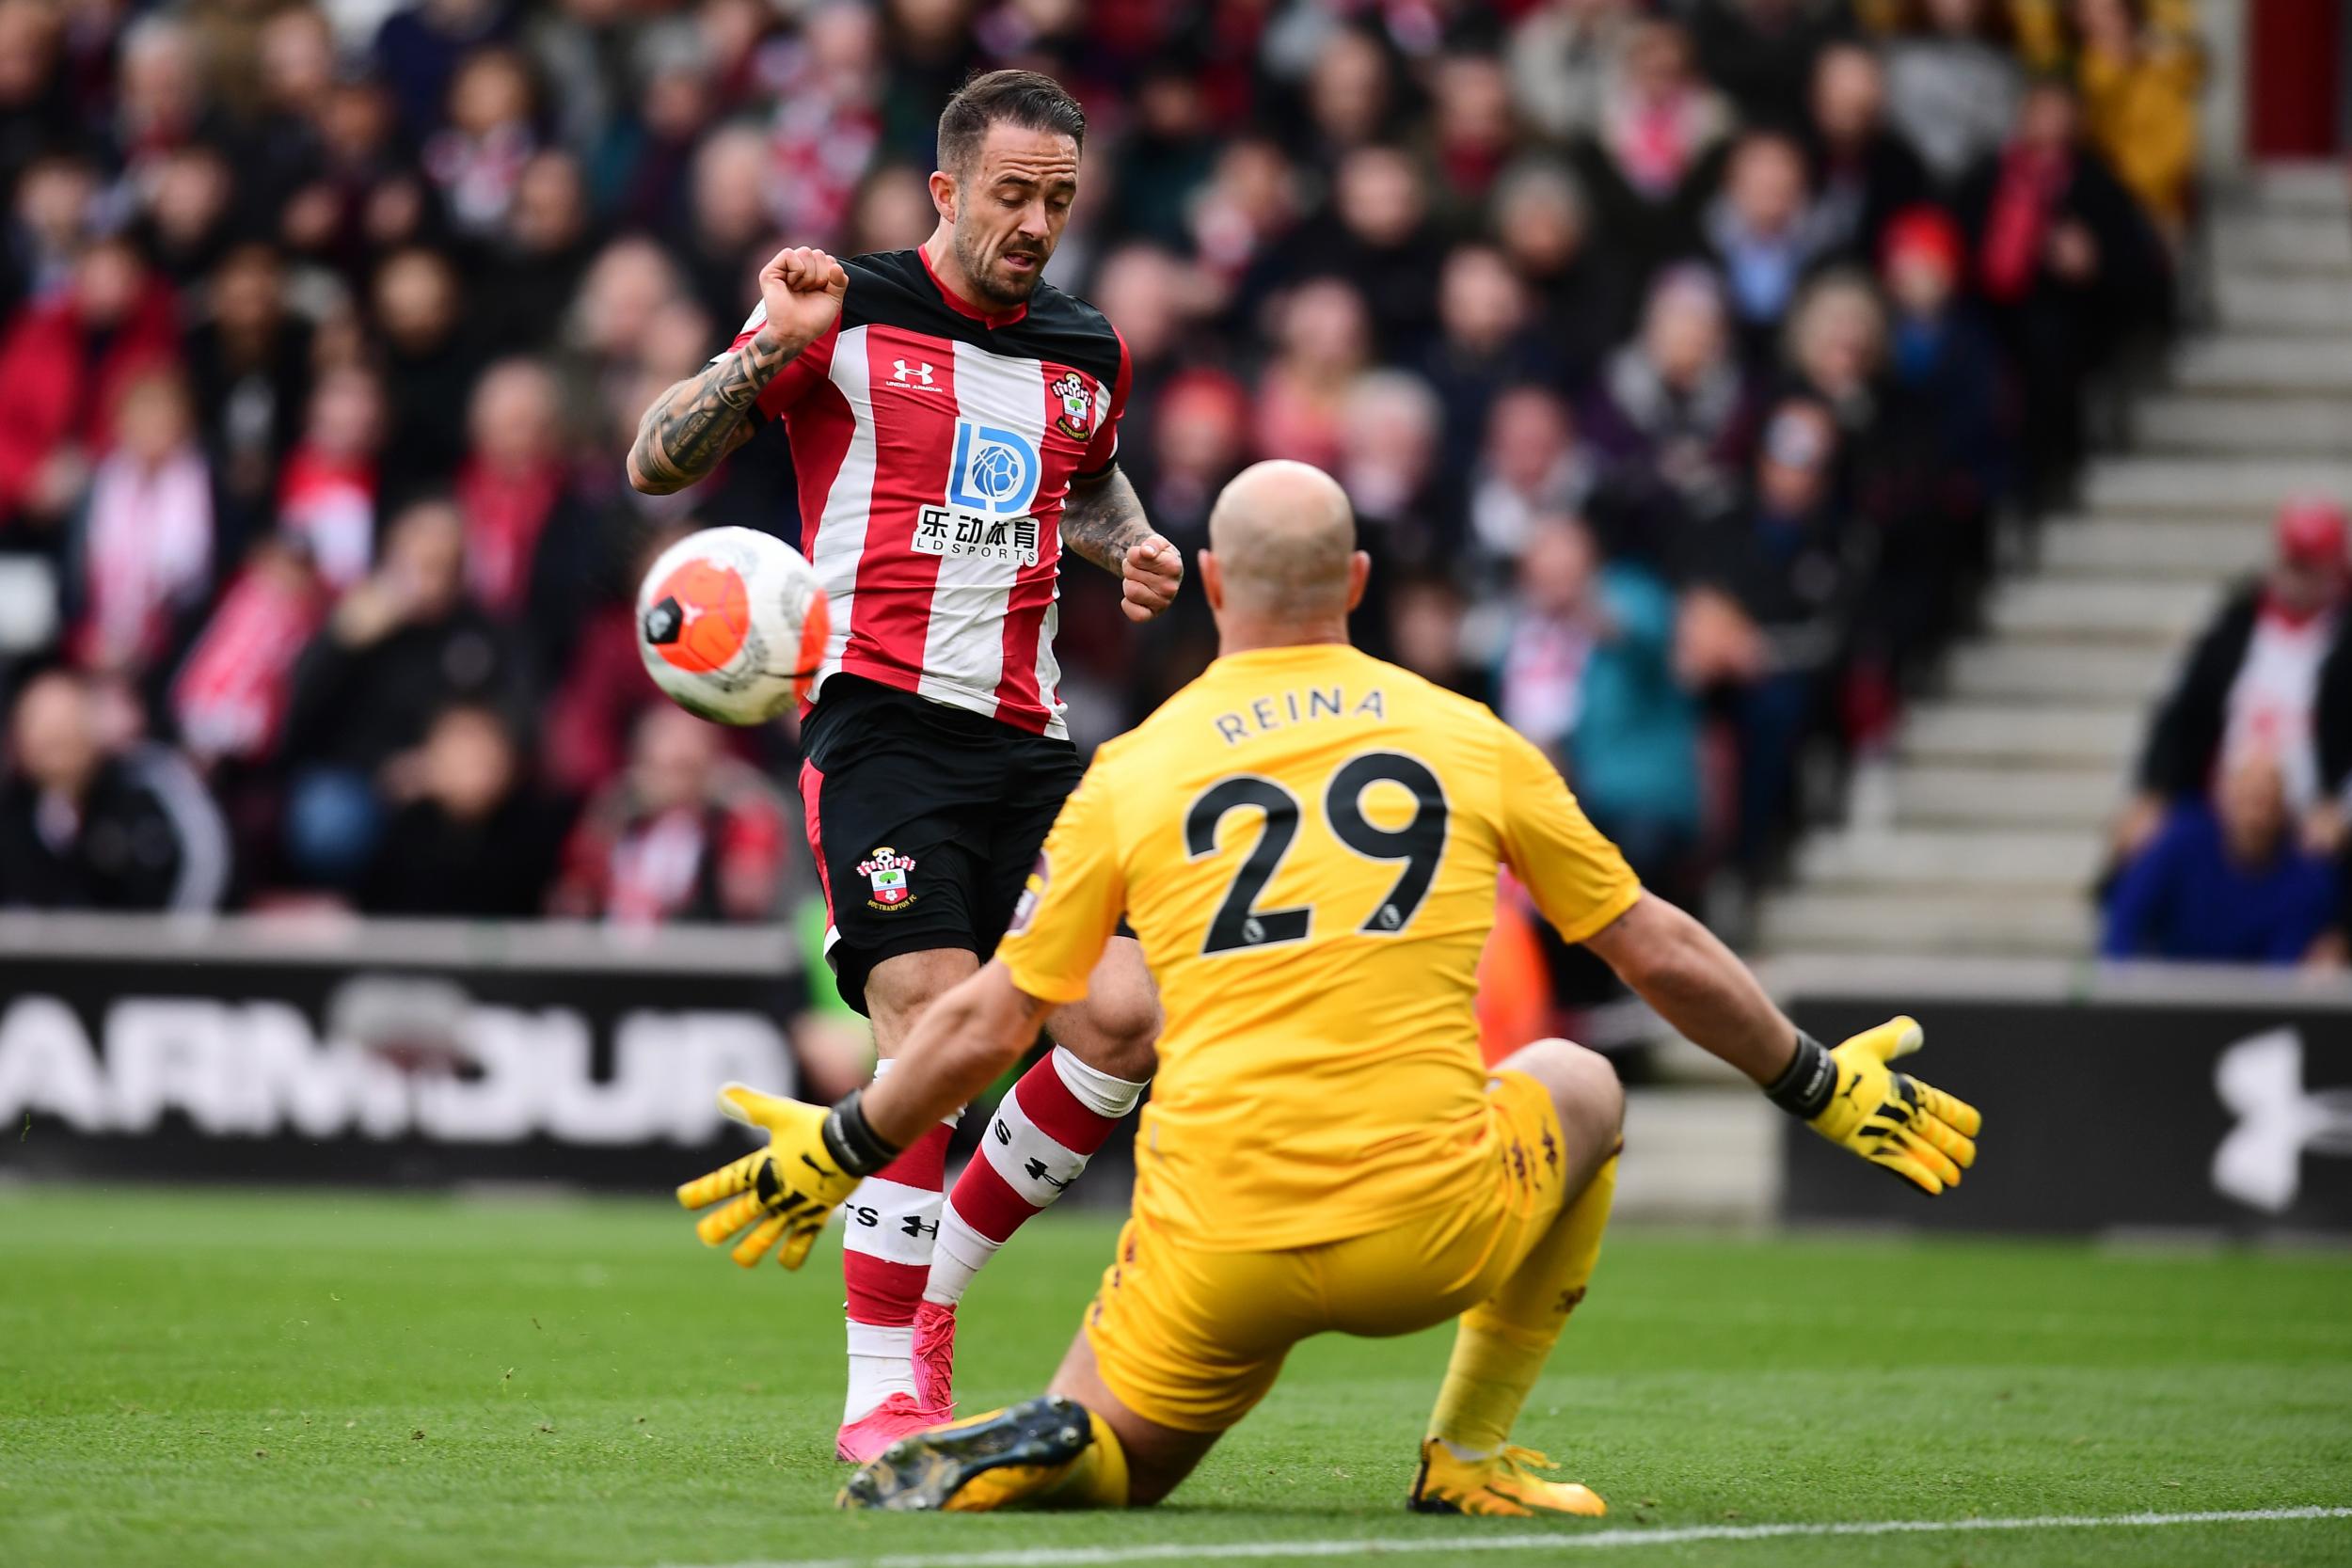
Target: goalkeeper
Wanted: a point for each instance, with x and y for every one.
(1307, 840)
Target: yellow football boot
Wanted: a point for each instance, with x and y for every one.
(1504, 1484)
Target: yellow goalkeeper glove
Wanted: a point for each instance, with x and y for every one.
(814, 1158)
(1851, 1098)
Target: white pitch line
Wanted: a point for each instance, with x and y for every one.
(1065, 1557)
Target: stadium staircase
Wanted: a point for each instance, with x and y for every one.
(1983, 833)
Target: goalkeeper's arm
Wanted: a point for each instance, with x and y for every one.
(1847, 1094)
(963, 1043)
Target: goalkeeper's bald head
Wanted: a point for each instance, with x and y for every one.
(1282, 565)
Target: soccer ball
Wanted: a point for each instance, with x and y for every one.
(732, 624)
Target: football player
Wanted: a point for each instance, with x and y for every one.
(1306, 840)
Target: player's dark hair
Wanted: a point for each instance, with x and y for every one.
(1029, 99)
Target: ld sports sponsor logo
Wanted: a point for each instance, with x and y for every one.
(991, 483)
(885, 871)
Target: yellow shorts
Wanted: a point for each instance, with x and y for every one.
(1192, 1338)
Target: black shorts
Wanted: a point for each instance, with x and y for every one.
(924, 820)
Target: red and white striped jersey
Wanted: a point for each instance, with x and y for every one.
(933, 445)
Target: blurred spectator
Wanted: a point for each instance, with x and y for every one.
(687, 833)
(529, 545)
(1168, 152)
(2224, 882)
(404, 644)
(1586, 671)
(1761, 51)
(249, 368)
(64, 365)
(1485, 344)
(1952, 83)
(1582, 303)
(84, 829)
(1937, 464)
(532, 266)
(364, 196)
(1472, 136)
(1428, 633)
(1837, 347)
(1671, 418)
(327, 490)
(731, 234)
(1531, 465)
(421, 46)
(1390, 441)
(1650, 161)
(1862, 172)
(428, 366)
(1786, 564)
(1562, 53)
(1322, 343)
(826, 123)
(2069, 267)
(229, 701)
(1383, 242)
(37, 106)
(1762, 235)
(2269, 676)
(472, 839)
(477, 158)
(149, 532)
(56, 199)
(2139, 85)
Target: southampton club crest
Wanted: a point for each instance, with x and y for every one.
(1078, 405)
(886, 870)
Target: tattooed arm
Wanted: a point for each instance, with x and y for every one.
(1102, 521)
(703, 418)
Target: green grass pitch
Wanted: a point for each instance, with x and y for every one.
(238, 1379)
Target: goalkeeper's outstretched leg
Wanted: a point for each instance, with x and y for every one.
(1469, 1464)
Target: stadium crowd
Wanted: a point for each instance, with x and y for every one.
(1679, 357)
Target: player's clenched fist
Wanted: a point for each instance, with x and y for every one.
(802, 288)
(783, 1192)
(1854, 1100)
(1150, 577)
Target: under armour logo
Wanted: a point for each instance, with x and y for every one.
(912, 1225)
(2261, 1162)
(1036, 1169)
(908, 375)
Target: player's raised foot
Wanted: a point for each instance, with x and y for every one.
(973, 1467)
(935, 1358)
(1503, 1484)
(884, 1425)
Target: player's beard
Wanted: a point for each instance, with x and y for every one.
(996, 284)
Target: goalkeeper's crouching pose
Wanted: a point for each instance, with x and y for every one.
(1306, 841)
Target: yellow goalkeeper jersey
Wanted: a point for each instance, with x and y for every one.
(1306, 840)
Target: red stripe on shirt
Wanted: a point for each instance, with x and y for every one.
(915, 440)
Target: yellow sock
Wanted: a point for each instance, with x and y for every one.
(1500, 1345)
(1096, 1479)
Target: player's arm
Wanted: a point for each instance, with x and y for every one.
(1103, 522)
(1700, 986)
(699, 420)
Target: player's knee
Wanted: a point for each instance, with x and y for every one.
(1584, 1089)
(901, 988)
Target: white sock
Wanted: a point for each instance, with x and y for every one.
(882, 1363)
